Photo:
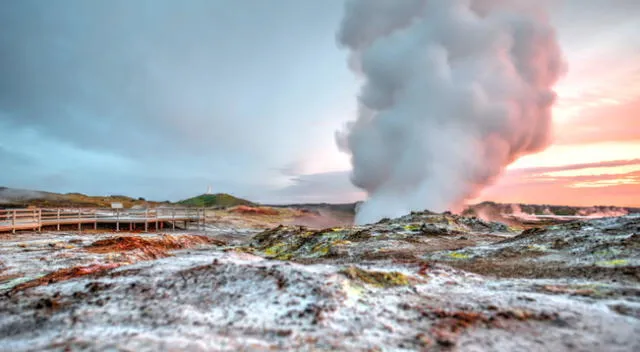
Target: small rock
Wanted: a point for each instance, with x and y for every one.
(445, 338)
(424, 340)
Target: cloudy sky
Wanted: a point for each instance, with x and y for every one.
(163, 98)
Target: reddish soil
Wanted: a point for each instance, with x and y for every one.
(243, 209)
(153, 247)
(66, 274)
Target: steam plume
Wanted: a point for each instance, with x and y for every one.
(453, 91)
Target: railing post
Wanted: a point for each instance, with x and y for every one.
(13, 222)
(117, 220)
(146, 220)
(204, 220)
(58, 219)
(95, 220)
(39, 220)
(79, 220)
(173, 218)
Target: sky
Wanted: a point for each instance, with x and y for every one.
(161, 99)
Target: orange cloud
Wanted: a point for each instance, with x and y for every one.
(602, 183)
(616, 122)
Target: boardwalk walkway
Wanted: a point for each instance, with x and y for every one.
(12, 220)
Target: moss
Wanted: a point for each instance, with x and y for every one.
(564, 211)
(321, 249)
(281, 238)
(376, 278)
(275, 249)
(607, 252)
(284, 256)
(413, 227)
(341, 243)
(536, 248)
(298, 242)
(241, 249)
(361, 235)
(458, 255)
(614, 262)
(307, 234)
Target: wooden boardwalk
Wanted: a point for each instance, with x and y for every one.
(12, 220)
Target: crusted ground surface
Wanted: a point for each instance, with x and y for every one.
(422, 282)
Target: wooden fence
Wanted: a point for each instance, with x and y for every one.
(36, 218)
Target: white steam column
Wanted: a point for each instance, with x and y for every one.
(453, 91)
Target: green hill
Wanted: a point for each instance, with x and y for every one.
(215, 200)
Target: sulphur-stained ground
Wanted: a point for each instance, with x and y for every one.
(421, 282)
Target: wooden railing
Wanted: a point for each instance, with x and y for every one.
(35, 219)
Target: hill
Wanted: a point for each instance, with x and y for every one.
(215, 200)
(20, 198)
(548, 210)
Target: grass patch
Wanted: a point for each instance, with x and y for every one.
(215, 200)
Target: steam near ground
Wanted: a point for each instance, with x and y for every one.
(8, 195)
(453, 91)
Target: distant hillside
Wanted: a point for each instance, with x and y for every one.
(215, 200)
(347, 208)
(494, 209)
(20, 198)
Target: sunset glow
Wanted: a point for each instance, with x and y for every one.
(594, 171)
(266, 129)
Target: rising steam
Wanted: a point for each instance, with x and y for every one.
(453, 91)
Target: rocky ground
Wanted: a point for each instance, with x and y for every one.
(421, 282)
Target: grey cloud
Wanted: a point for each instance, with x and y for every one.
(159, 98)
(9, 159)
(322, 187)
(220, 90)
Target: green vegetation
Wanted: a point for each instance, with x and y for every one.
(458, 255)
(215, 200)
(564, 211)
(376, 278)
(413, 227)
(615, 262)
